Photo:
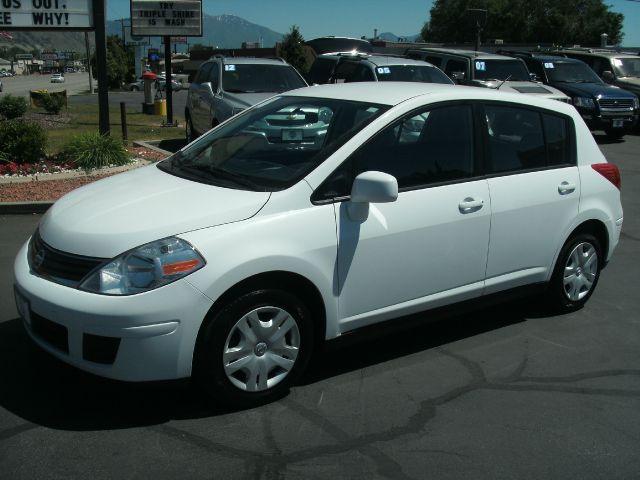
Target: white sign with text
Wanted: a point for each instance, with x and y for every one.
(177, 18)
(45, 14)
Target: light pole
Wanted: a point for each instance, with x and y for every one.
(479, 17)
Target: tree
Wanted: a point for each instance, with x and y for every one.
(292, 49)
(544, 21)
(120, 63)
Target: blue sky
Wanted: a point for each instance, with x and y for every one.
(352, 17)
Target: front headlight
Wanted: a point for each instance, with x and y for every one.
(145, 268)
(584, 102)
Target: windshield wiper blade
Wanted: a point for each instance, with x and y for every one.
(207, 172)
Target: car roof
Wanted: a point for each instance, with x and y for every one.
(598, 53)
(463, 53)
(551, 58)
(377, 60)
(394, 93)
(251, 61)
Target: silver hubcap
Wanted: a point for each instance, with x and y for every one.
(261, 349)
(580, 271)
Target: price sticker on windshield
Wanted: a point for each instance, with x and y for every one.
(229, 68)
(617, 62)
(384, 70)
(548, 65)
(481, 66)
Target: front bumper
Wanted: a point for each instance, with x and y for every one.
(149, 336)
(608, 120)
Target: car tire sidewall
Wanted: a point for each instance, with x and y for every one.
(209, 369)
(190, 135)
(557, 296)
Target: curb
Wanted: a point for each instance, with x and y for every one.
(151, 146)
(24, 208)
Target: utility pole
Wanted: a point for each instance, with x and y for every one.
(168, 85)
(86, 46)
(101, 65)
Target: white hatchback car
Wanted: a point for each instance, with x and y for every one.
(236, 257)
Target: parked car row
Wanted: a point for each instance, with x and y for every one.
(7, 73)
(613, 110)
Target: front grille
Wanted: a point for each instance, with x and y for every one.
(625, 103)
(285, 122)
(99, 349)
(50, 332)
(60, 267)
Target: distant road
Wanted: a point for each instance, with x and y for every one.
(21, 84)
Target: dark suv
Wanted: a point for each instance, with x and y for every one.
(617, 68)
(602, 106)
(224, 86)
(349, 67)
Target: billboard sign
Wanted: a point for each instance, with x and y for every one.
(134, 41)
(46, 15)
(177, 18)
(49, 56)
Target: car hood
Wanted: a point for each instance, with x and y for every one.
(592, 90)
(530, 88)
(629, 83)
(113, 215)
(246, 100)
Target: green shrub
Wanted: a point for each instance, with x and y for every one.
(12, 106)
(92, 150)
(52, 103)
(21, 141)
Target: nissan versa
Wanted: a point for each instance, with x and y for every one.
(234, 259)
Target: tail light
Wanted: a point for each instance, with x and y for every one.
(608, 171)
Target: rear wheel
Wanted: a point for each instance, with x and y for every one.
(576, 273)
(254, 348)
(614, 134)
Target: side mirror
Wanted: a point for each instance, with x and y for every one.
(533, 77)
(607, 76)
(371, 187)
(457, 76)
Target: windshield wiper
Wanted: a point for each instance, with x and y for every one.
(208, 173)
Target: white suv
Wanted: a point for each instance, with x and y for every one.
(234, 259)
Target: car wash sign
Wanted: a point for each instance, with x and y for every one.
(46, 15)
(177, 18)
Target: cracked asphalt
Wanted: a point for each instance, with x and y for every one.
(502, 393)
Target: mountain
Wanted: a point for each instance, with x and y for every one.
(223, 31)
(390, 37)
(59, 41)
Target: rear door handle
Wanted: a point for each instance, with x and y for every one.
(469, 205)
(565, 188)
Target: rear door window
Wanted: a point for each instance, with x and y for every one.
(522, 139)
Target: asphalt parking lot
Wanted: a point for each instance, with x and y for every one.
(503, 393)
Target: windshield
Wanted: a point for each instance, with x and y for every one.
(627, 67)
(272, 146)
(411, 73)
(239, 78)
(514, 70)
(570, 72)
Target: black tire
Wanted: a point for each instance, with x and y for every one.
(560, 296)
(189, 133)
(135, 89)
(221, 333)
(614, 134)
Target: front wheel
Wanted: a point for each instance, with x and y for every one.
(576, 273)
(189, 133)
(254, 348)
